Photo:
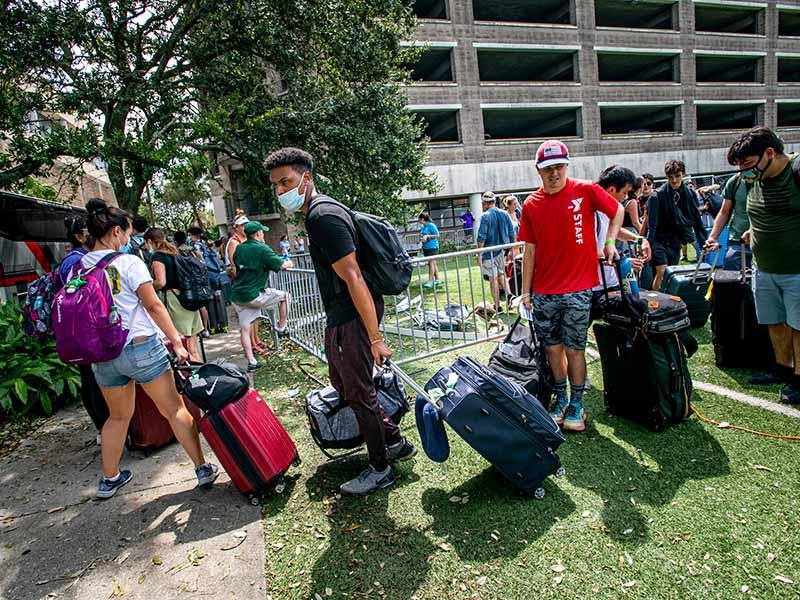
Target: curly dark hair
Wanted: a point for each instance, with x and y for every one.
(674, 167)
(300, 160)
(754, 143)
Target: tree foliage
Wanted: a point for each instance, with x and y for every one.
(154, 81)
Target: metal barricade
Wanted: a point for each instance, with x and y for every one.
(429, 318)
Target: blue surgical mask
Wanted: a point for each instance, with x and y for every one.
(292, 200)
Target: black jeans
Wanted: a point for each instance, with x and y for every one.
(350, 362)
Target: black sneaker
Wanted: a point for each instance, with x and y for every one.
(402, 450)
(251, 367)
(765, 379)
(790, 394)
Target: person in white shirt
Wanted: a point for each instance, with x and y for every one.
(144, 359)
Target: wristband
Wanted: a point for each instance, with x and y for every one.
(610, 242)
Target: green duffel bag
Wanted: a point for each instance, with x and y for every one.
(645, 379)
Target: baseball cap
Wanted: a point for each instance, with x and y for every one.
(488, 197)
(552, 152)
(241, 220)
(254, 227)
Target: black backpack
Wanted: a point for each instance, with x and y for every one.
(195, 288)
(385, 264)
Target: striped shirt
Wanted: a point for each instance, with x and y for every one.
(773, 206)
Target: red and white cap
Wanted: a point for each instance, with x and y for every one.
(552, 152)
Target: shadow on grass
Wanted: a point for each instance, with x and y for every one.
(366, 545)
(640, 467)
(498, 521)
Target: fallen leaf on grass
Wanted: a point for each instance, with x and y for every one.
(481, 580)
(586, 513)
(763, 468)
(444, 546)
(724, 425)
(328, 592)
(783, 579)
(629, 584)
(558, 579)
(558, 568)
(744, 589)
(771, 557)
(455, 499)
(628, 531)
(350, 528)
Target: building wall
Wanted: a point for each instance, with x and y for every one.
(475, 164)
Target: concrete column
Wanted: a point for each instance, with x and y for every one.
(476, 208)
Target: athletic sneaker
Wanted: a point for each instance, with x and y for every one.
(575, 419)
(790, 394)
(402, 450)
(206, 474)
(369, 481)
(559, 410)
(109, 487)
(253, 366)
(428, 285)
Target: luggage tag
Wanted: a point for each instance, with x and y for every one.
(525, 312)
(197, 382)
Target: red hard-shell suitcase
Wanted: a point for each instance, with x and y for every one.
(148, 429)
(251, 444)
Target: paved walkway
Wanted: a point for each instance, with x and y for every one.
(158, 538)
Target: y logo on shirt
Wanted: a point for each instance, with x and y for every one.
(577, 218)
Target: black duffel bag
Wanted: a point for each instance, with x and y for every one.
(333, 424)
(213, 385)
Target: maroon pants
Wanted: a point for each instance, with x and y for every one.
(350, 363)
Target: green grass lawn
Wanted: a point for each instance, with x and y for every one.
(692, 512)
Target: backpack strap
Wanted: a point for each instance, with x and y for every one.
(101, 264)
(796, 168)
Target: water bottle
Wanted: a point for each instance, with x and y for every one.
(628, 283)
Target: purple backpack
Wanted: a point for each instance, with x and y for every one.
(87, 325)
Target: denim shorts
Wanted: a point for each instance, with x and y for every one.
(142, 363)
(777, 298)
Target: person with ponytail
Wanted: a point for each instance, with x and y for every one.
(81, 242)
(165, 275)
(144, 359)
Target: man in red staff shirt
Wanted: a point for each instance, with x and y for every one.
(560, 260)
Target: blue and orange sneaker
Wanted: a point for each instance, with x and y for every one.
(559, 410)
(575, 419)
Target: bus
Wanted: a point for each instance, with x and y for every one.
(33, 241)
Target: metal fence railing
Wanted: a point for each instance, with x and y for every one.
(429, 318)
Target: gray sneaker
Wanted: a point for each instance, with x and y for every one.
(402, 450)
(369, 481)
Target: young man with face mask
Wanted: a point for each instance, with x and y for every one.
(353, 340)
(560, 264)
(773, 206)
(671, 212)
(254, 260)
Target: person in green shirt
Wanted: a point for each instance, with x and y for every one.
(773, 205)
(733, 213)
(254, 260)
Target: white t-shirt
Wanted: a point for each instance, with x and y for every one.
(601, 228)
(125, 274)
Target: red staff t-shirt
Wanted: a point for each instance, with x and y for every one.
(562, 226)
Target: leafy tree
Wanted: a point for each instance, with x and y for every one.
(157, 80)
(30, 187)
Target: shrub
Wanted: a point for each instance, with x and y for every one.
(33, 375)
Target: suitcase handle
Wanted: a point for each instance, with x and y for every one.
(703, 254)
(413, 384)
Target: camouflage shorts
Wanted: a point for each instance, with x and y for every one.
(562, 318)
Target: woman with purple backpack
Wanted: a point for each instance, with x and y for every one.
(144, 359)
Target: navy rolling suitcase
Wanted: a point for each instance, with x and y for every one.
(739, 341)
(498, 419)
(690, 283)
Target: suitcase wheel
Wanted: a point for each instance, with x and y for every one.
(539, 493)
(296, 460)
(280, 486)
(254, 499)
(560, 472)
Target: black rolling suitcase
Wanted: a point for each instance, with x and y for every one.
(644, 347)
(739, 341)
(498, 419)
(690, 283)
(217, 311)
(521, 358)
